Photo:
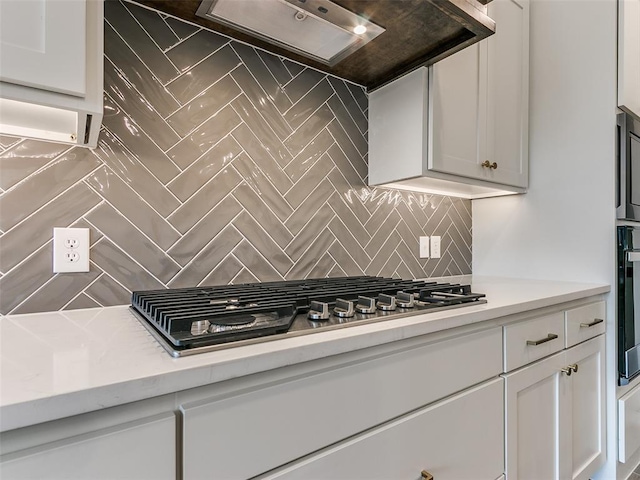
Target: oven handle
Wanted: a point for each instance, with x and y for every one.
(633, 256)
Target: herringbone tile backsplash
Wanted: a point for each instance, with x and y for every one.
(217, 163)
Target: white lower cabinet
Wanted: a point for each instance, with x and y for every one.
(137, 450)
(455, 439)
(555, 414)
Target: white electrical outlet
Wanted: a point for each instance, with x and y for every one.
(70, 250)
(424, 247)
(435, 247)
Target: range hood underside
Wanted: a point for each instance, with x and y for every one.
(418, 32)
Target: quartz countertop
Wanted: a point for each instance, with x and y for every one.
(58, 364)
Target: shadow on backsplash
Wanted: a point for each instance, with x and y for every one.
(217, 163)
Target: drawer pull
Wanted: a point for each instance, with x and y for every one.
(596, 321)
(426, 475)
(548, 338)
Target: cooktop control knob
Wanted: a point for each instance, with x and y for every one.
(344, 308)
(404, 300)
(386, 303)
(318, 311)
(366, 305)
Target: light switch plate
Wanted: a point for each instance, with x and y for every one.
(424, 247)
(435, 246)
(70, 250)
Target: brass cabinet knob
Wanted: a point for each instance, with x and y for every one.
(426, 475)
(488, 164)
(567, 370)
(574, 367)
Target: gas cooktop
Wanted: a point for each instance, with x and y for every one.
(194, 320)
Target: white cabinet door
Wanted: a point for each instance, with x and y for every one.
(44, 36)
(479, 103)
(582, 423)
(532, 405)
(143, 449)
(629, 56)
(456, 439)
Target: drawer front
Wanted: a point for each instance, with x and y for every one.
(525, 342)
(584, 323)
(244, 435)
(455, 439)
(629, 424)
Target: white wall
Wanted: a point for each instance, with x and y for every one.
(564, 227)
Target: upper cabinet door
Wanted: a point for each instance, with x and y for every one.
(44, 36)
(479, 103)
(629, 56)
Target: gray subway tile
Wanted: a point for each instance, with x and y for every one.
(348, 125)
(309, 181)
(308, 262)
(255, 263)
(20, 283)
(262, 241)
(137, 108)
(350, 104)
(122, 267)
(309, 156)
(336, 271)
(359, 95)
(322, 268)
(196, 239)
(137, 73)
(307, 105)
(205, 168)
(348, 241)
(275, 66)
(349, 149)
(294, 68)
(224, 273)
(390, 266)
(263, 214)
(154, 25)
(145, 151)
(190, 84)
(352, 222)
(261, 73)
(196, 143)
(80, 302)
(25, 158)
(207, 259)
(131, 172)
(107, 292)
(346, 167)
(209, 102)
(316, 225)
(197, 206)
(138, 40)
(309, 207)
(381, 256)
(195, 48)
(58, 292)
(309, 130)
(256, 178)
(19, 202)
(19, 243)
(303, 81)
(354, 195)
(136, 210)
(380, 234)
(7, 141)
(261, 102)
(261, 130)
(262, 158)
(410, 260)
(182, 29)
(244, 276)
(344, 260)
(402, 271)
(124, 234)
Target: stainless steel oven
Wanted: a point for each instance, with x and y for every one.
(628, 191)
(628, 302)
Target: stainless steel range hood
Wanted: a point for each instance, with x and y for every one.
(318, 29)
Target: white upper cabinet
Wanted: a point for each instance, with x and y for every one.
(629, 56)
(51, 71)
(461, 126)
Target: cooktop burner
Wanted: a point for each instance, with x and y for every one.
(192, 320)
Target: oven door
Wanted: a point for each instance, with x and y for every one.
(628, 302)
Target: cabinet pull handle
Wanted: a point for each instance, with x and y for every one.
(548, 338)
(596, 321)
(489, 165)
(567, 370)
(574, 367)
(426, 475)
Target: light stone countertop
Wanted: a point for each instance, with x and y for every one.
(58, 364)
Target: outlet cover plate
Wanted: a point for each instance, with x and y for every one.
(70, 250)
(424, 247)
(435, 246)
